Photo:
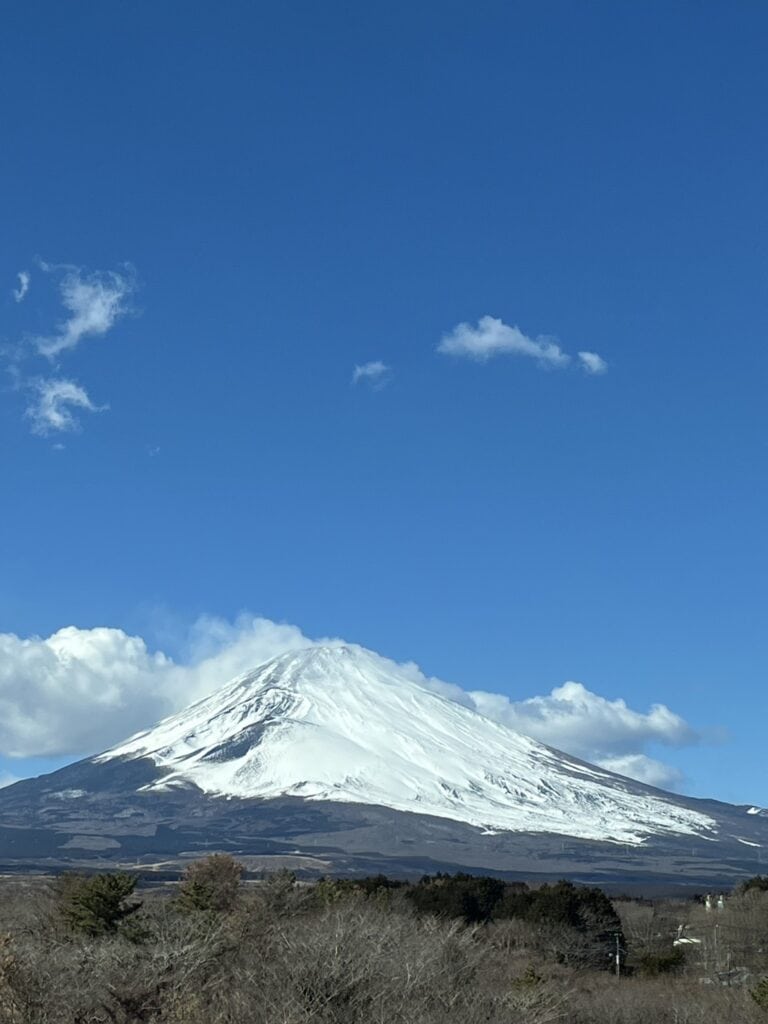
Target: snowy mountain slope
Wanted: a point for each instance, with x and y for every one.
(342, 724)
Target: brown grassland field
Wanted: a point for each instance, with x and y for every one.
(216, 950)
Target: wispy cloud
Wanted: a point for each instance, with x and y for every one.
(492, 337)
(376, 373)
(51, 410)
(593, 363)
(20, 292)
(94, 301)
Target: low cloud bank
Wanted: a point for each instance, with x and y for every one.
(79, 691)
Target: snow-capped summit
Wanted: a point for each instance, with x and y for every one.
(342, 724)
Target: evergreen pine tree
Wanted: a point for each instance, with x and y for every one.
(97, 904)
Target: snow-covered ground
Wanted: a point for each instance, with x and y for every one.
(344, 724)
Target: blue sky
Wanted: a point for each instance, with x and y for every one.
(224, 211)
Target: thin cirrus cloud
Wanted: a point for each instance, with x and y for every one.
(24, 279)
(96, 686)
(376, 374)
(94, 302)
(53, 405)
(491, 337)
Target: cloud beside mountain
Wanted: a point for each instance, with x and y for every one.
(96, 686)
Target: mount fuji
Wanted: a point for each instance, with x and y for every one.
(343, 724)
(334, 758)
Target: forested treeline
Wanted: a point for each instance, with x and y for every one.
(448, 949)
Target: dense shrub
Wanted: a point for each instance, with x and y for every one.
(757, 884)
(651, 964)
(579, 922)
(211, 884)
(760, 993)
(95, 905)
(471, 898)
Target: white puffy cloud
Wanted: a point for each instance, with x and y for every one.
(24, 282)
(592, 363)
(565, 713)
(80, 691)
(492, 337)
(94, 302)
(645, 769)
(598, 730)
(54, 399)
(375, 373)
(62, 694)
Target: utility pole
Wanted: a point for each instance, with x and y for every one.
(617, 955)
